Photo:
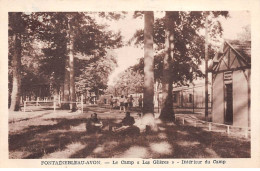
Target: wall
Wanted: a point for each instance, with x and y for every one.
(240, 98)
(218, 99)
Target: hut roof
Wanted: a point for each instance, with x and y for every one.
(242, 48)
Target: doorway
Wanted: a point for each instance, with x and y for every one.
(228, 104)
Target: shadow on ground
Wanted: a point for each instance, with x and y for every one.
(67, 138)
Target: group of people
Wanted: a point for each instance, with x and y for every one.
(94, 125)
(125, 102)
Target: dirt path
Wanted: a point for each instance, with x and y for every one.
(44, 134)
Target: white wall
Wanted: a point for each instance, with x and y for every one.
(240, 98)
(218, 99)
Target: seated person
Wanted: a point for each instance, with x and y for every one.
(93, 125)
(127, 126)
(128, 120)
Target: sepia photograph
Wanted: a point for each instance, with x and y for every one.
(129, 84)
(120, 84)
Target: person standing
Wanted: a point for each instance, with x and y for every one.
(121, 101)
(126, 103)
(130, 102)
(140, 101)
(111, 102)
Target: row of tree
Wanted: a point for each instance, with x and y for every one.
(64, 50)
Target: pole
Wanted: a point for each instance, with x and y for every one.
(228, 130)
(59, 99)
(158, 102)
(193, 110)
(81, 103)
(54, 103)
(37, 102)
(54, 106)
(206, 67)
(24, 106)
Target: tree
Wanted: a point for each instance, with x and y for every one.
(188, 45)
(148, 105)
(129, 81)
(93, 76)
(16, 29)
(72, 35)
(71, 42)
(167, 113)
(48, 39)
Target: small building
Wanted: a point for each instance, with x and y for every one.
(231, 70)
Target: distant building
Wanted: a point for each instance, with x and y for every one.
(231, 70)
(192, 96)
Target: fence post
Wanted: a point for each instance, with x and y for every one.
(59, 99)
(54, 105)
(228, 131)
(24, 106)
(210, 126)
(183, 121)
(37, 101)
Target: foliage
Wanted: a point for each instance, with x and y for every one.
(44, 47)
(30, 51)
(129, 81)
(188, 43)
(94, 75)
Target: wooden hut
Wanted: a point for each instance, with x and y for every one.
(231, 69)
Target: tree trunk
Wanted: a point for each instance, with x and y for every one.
(206, 69)
(66, 86)
(16, 64)
(71, 69)
(148, 104)
(167, 113)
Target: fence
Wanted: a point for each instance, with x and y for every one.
(54, 104)
(210, 124)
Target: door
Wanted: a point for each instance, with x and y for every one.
(228, 104)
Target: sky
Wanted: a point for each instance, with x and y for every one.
(129, 55)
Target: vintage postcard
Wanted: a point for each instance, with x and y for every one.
(144, 84)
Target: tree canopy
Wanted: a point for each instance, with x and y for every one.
(188, 43)
(45, 37)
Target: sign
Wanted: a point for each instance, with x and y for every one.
(228, 77)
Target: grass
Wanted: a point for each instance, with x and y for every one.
(44, 134)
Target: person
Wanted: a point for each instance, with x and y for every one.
(121, 101)
(130, 102)
(93, 125)
(111, 102)
(140, 101)
(128, 120)
(127, 126)
(126, 103)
